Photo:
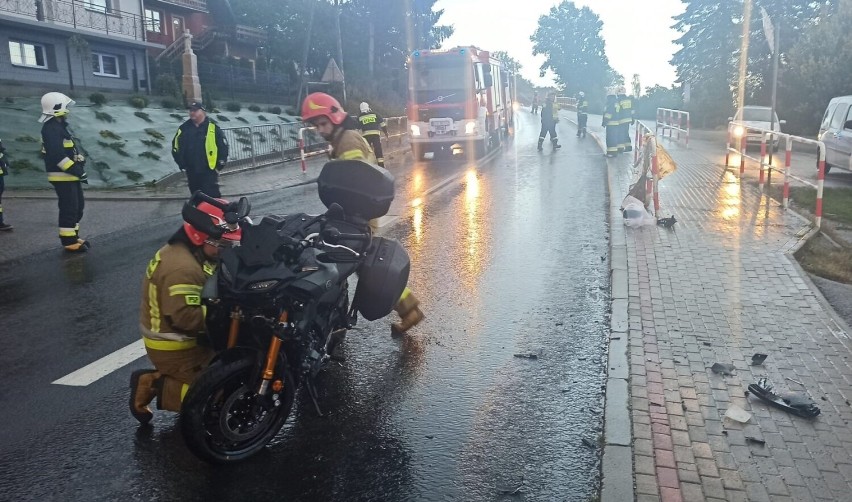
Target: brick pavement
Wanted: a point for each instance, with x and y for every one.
(719, 287)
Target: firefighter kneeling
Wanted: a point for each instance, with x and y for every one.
(325, 113)
(172, 317)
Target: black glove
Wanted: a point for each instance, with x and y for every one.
(84, 178)
(78, 170)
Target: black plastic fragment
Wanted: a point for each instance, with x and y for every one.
(796, 403)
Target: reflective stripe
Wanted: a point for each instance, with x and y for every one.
(184, 289)
(65, 163)
(153, 308)
(372, 132)
(67, 232)
(54, 176)
(67, 143)
(351, 154)
(169, 344)
(152, 265)
(209, 269)
(210, 145)
(404, 294)
(175, 143)
(183, 389)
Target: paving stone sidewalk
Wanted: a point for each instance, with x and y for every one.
(719, 287)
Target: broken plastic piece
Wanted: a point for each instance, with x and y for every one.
(738, 414)
(527, 356)
(796, 403)
(754, 440)
(723, 369)
(757, 359)
(667, 222)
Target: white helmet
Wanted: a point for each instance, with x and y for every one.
(365, 107)
(54, 104)
(582, 94)
(621, 90)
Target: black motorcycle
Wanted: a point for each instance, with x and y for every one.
(278, 305)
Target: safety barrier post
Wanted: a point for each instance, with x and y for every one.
(688, 127)
(762, 160)
(671, 123)
(302, 147)
(656, 173)
(788, 157)
(638, 142)
(820, 184)
(742, 154)
(678, 126)
(657, 124)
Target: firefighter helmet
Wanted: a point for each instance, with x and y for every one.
(582, 94)
(320, 104)
(622, 90)
(198, 237)
(365, 107)
(54, 104)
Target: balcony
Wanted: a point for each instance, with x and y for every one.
(76, 15)
(249, 34)
(197, 5)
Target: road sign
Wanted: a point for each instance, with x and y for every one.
(768, 29)
(332, 72)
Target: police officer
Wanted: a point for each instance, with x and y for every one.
(582, 113)
(549, 118)
(65, 168)
(612, 123)
(4, 168)
(325, 113)
(171, 316)
(627, 119)
(200, 148)
(372, 125)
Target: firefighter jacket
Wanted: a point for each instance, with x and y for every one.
(201, 148)
(4, 162)
(347, 144)
(171, 315)
(549, 113)
(582, 105)
(612, 113)
(626, 104)
(372, 124)
(59, 151)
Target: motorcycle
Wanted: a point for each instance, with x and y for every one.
(278, 306)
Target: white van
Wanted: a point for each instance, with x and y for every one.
(836, 132)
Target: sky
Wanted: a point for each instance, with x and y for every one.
(638, 35)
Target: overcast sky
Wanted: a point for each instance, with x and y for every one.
(638, 35)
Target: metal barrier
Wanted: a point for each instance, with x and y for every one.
(397, 130)
(740, 130)
(566, 103)
(265, 144)
(652, 185)
(673, 120)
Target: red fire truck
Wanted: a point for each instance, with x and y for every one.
(459, 102)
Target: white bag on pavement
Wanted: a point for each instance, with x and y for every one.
(635, 214)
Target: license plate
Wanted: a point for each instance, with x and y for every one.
(442, 129)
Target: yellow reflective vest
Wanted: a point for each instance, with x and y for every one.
(349, 145)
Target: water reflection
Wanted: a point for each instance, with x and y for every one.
(730, 197)
(472, 259)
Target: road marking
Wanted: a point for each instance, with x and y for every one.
(103, 366)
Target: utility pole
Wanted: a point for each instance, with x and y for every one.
(304, 66)
(744, 53)
(340, 50)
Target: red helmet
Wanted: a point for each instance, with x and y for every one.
(197, 237)
(320, 104)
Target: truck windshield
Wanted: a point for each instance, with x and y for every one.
(440, 80)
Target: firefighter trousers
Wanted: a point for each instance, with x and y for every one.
(547, 129)
(207, 182)
(2, 187)
(71, 203)
(178, 368)
(375, 142)
(626, 143)
(613, 139)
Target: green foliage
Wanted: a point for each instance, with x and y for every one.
(262, 118)
(138, 101)
(26, 138)
(152, 143)
(150, 155)
(7, 99)
(254, 108)
(101, 166)
(117, 146)
(18, 165)
(167, 85)
(275, 110)
(169, 103)
(144, 116)
(222, 118)
(104, 116)
(107, 134)
(260, 136)
(155, 134)
(657, 97)
(177, 116)
(97, 98)
(132, 175)
(242, 120)
(233, 106)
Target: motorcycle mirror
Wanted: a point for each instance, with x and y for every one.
(243, 207)
(335, 212)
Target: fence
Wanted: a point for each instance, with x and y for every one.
(566, 103)
(226, 82)
(673, 120)
(739, 132)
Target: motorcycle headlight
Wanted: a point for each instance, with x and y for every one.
(262, 285)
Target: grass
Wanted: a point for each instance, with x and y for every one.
(19, 165)
(243, 140)
(222, 118)
(150, 155)
(177, 116)
(262, 118)
(26, 138)
(154, 134)
(242, 120)
(109, 135)
(132, 175)
(144, 116)
(117, 146)
(819, 257)
(104, 116)
(101, 166)
(152, 143)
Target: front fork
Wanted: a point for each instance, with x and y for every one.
(272, 359)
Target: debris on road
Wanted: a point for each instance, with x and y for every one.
(722, 368)
(755, 440)
(528, 355)
(757, 359)
(667, 222)
(738, 414)
(794, 381)
(591, 444)
(796, 403)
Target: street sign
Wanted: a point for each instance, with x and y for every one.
(768, 29)
(332, 72)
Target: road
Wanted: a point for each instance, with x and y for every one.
(509, 257)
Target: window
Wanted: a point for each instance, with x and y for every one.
(98, 5)
(27, 54)
(839, 115)
(848, 124)
(153, 21)
(827, 116)
(105, 65)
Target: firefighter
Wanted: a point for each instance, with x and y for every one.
(582, 113)
(4, 168)
(612, 123)
(549, 118)
(171, 316)
(627, 119)
(535, 103)
(201, 149)
(372, 125)
(325, 113)
(66, 168)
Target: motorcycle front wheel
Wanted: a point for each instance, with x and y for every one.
(224, 420)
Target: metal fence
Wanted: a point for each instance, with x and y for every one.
(79, 15)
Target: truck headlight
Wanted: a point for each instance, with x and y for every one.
(470, 127)
(415, 130)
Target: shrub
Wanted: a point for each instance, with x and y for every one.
(117, 146)
(177, 116)
(138, 101)
(154, 134)
(26, 138)
(152, 143)
(132, 175)
(242, 120)
(243, 140)
(233, 106)
(222, 118)
(167, 85)
(170, 103)
(104, 116)
(254, 108)
(101, 166)
(109, 135)
(262, 118)
(97, 98)
(275, 110)
(19, 165)
(144, 116)
(150, 155)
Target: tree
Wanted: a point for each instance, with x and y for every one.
(524, 88)
(81, 48)
(570, 40)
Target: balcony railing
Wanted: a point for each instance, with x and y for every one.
(199, 5)
(76, 14)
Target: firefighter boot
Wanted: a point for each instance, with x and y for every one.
(540, 142)
(556, 144)
(77, 247)
(409, 312)
(143, 389)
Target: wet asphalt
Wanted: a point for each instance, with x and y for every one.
(509, 259)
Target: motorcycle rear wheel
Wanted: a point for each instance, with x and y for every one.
(223, 420)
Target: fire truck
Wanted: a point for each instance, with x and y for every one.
(459, 102)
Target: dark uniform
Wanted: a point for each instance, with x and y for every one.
(66, 172)
(582, 115)
(200, 151)
(372, 126)
(549, 118)
(4, 167)
(535, 104)
(626, 104)
(612, 123)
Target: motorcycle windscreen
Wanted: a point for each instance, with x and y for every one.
(381, 278)
(361, 189)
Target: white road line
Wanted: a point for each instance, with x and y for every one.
(103, 366)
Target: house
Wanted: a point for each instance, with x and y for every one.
(73, 44)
